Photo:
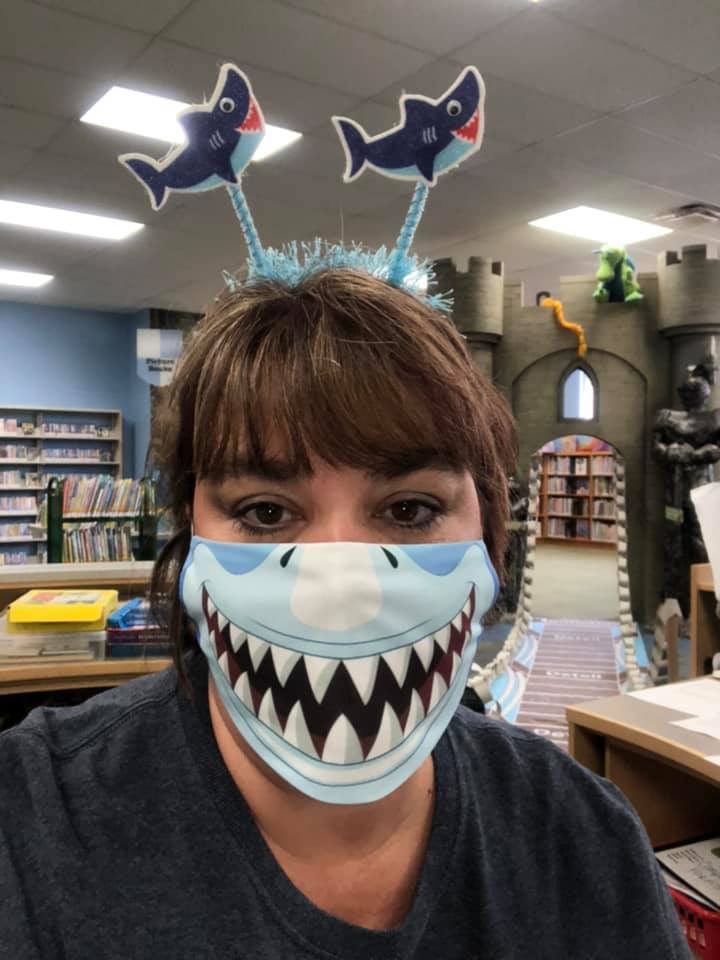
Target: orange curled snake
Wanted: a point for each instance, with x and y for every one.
(557, 308)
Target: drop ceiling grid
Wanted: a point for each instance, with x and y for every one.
(655, 120)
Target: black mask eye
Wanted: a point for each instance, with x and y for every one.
(454, 108)
(227, 105)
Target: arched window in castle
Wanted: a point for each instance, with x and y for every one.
(578, 395)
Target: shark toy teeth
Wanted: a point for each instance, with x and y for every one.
(222, 137)
(433, 136)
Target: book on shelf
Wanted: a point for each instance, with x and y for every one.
(94, 542)
(18, 504)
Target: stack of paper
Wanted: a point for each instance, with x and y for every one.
(694, 869)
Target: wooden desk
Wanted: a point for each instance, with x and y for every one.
(704, 622)
(663, 770)
(74, 675)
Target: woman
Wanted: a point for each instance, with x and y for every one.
(334, 461)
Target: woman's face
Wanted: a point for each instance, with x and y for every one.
(429, 503)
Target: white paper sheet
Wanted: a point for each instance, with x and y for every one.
(698, 864)
(710, 726)
(706, 500)
(699, 698)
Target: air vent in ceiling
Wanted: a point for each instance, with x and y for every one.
(691, 213)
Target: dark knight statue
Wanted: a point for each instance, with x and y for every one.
(687, 443)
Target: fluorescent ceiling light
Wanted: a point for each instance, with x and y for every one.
(149, 116)
(600, 226)
(21, 278)
(66, 221)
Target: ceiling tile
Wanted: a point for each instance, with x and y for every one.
(25, 129)
(182, 73)
(54, 179)
(12, 160)
(691, 115)
(134, 14)
(295, 43)
(421, 24)
(30, 87)
(43, 250)
(623, 149)
(64, 41)
(520, 115)
(685, 33)
(548, 54)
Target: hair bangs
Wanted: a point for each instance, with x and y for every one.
(313, 390)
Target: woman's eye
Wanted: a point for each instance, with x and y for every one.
(263, 514)
(413, 513)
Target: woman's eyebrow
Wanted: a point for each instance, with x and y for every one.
(270, 468)
(411, 461)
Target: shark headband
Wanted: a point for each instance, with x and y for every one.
(340, 664)
(223, 134)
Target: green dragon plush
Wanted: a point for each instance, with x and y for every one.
(616, 278)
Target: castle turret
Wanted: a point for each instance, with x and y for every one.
(477, 304)
(689, 311)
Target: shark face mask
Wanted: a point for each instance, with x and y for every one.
(341, 664)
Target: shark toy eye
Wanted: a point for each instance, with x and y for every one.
(227, 105)
(454, 108)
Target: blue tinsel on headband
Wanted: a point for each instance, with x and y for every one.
(293, 262)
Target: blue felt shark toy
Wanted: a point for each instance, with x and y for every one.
(432, 137)
(222, 137)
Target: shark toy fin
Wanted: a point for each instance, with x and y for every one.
(354, 141)
(425, 162)
(149, 176)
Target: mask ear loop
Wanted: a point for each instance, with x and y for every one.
(396, 269)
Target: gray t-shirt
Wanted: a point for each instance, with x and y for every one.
(123, 837)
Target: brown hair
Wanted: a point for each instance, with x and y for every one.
(343, 366)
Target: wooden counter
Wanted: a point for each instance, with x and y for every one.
(75, 674)
(665, 771)
(704, 622)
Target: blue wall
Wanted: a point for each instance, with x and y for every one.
(60, 357)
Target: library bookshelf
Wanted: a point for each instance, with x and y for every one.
(37, 443)
(577, 498)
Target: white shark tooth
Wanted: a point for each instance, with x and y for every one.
(455, 664)
(223, 662)
(398, 661)
(424, 649)
(442, 638)
(457, 622)
(267, 712)
(342, 744)
(363, 671)
(284, 661)
(296, 732)
(211, 608)
(237, 637)
(258, 649)
(439, 689)
(242, 689)
(320, 672)
(389, 735)
(221, 622)
(468, 607)
(416, 713)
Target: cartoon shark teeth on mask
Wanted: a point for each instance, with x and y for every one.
(340, 664)
(222, 137)
(416, 687)
(433, 136)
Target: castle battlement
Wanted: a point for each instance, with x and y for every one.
(478, 295)
(689, 291)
